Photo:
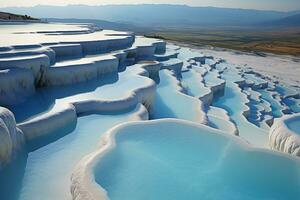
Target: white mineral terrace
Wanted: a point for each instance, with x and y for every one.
(90, 114)
(97, 168)
(285, 134)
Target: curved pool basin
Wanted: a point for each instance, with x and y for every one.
(51, 166)
(294, 124)
(156, 160)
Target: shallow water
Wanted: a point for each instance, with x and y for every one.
(294, 125)
(275, 105)
(46, 99)
(48, 169)
(234, 102)
(293, 104)
(111, 87)
(286, 91)
(127, 83)
(153, 164)
(194, 84)
(160, 163)
(171, 103)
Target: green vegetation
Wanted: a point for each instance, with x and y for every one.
(285, 41)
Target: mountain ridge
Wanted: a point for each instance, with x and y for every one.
(290, 21)
(157, 14)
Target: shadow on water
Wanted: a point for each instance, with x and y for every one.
(161, 109)
(11, 178)
(221, 100)
(44, 98)
(155, 78)
(292, 104)
(51, 137)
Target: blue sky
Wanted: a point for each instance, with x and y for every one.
(283, 5)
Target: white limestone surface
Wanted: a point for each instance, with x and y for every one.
(60, 116)
(83, 181)
(219, 118)
(283, 137)
(152, 67)
(282, 67)
(217, 85)
(171, 98)
(91, 39)
(15, 85)
(133, 87)
(174, 64)
(62, 50)
(80, 70)
(27, 50)
(166, 56)
(193, 81)
(36, 63)
(11, 138)
(148, 47)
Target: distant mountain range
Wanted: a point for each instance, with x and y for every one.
(161, 15)
(101, 23)
(290, 21)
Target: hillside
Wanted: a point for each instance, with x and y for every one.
(101, 23)
(156, 15)
(10, 16)
(242, 29)
(290, 21)
(258, 39)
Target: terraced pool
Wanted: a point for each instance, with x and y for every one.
(294, 125)
(156, 160)
(87, 113)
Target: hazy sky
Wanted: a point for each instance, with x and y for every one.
(256, 4)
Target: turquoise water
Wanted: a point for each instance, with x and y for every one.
(170, 161)
(192, 81)
(275, 105)
(127, 83)
(286, 91)
(46, 99)
(294, 124)
(293, 104)
(171, 103)
(111, 87)
(233, 102)
(48, 170)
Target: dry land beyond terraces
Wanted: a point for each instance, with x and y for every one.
(271, 40)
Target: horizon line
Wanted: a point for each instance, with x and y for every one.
(137, 4)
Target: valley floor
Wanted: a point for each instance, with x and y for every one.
(273, 40)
